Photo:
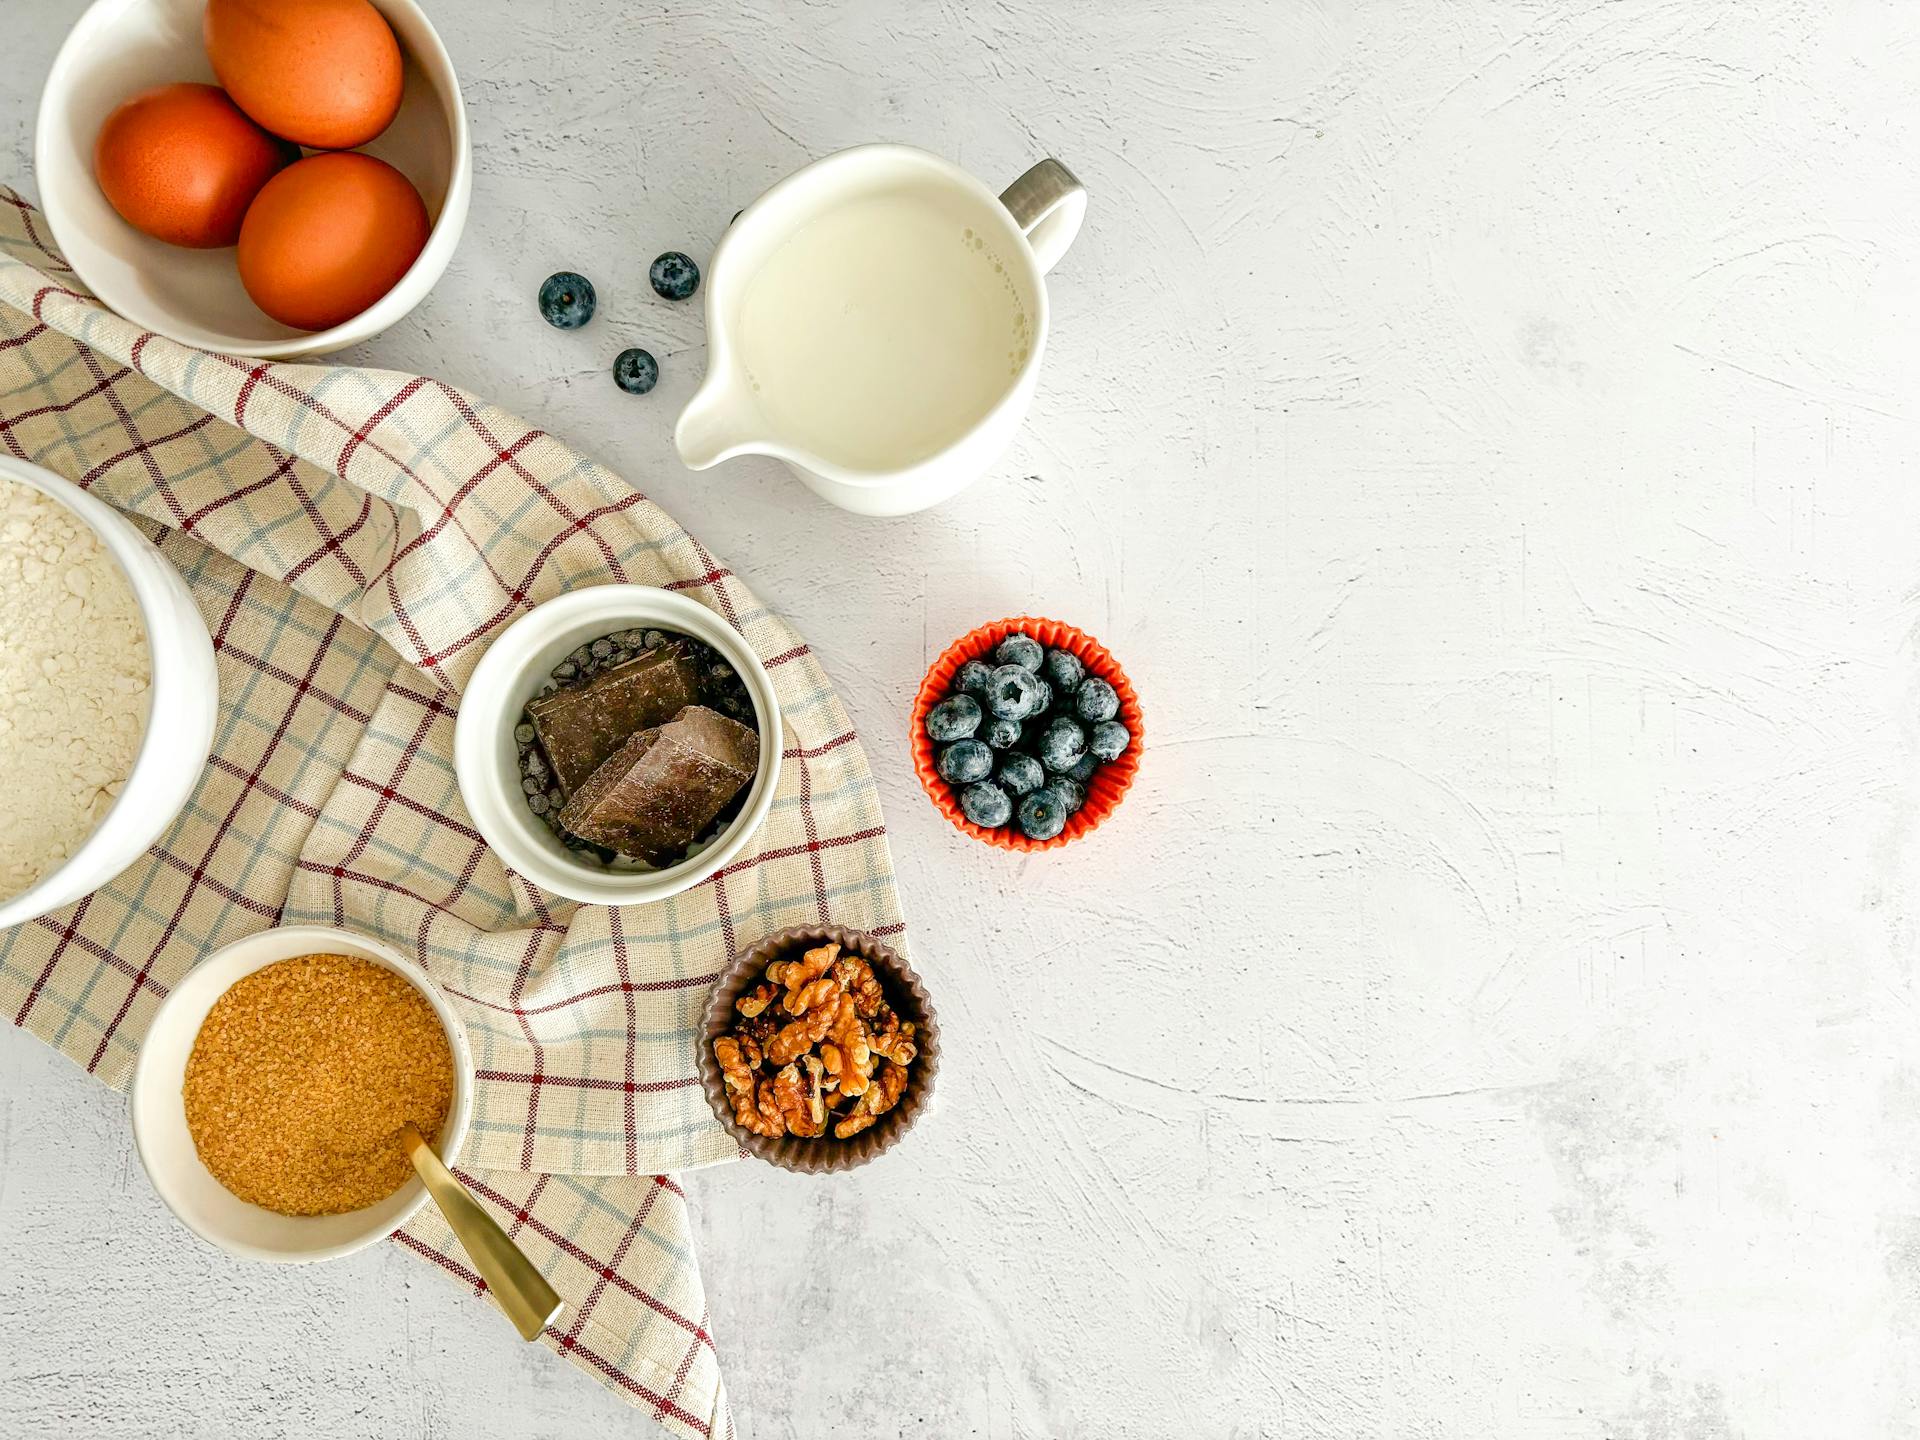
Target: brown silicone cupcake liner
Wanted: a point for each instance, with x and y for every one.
(825, 1155)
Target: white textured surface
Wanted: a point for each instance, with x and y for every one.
(1487, 434)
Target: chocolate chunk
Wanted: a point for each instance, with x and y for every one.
(656, 794)
(580, 727)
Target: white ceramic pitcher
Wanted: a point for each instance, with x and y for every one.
(1020, 234)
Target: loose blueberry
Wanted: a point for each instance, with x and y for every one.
(986, 805)
(1003, 733)
(635, 371)
(1021, 650)
(1062, 744)
(1043, 814)
(1096, 700)
(1071, 792)
(966, 761)
(1021, 774)
(1013, 691)
(1064, 669)
(1109, 740)
(954, 718)
(973, 677)
(674, 276)
(1042, 700)
(1081, 771)
(566, 300)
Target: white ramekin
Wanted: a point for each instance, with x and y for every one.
(121, 47)
(182, 703)
(158, 1107)
(511, 673)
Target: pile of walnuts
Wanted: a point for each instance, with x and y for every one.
(816, 1044)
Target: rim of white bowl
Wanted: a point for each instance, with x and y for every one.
(507, 677)
(289, 942)
(425, 272)
(165, 682)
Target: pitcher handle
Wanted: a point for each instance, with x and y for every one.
(1048, 203)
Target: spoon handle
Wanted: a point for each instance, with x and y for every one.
(523, 1292)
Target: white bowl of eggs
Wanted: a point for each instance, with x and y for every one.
(273, 178)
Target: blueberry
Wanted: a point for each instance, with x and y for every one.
(973, 678)
(1081, 771)
(1003, 733)
(1096, 700)
(986, 805)
(1043, 814)
(954, 718)
(1020, 774)
(635, 371)
(966, 761)
(1064, 669)
(1062, 744)
(1071, 792)
(1021, 650)
(674, 276)
(1012, 693)
(1042, 700)
(1109, 740)
(566, 300)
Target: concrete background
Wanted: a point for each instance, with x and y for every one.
(1487, 434)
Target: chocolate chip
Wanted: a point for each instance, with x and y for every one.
(537, 804)
(531, 786)
(523, 734)
(565, 670)
(601, 648)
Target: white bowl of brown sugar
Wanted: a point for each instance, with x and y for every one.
(269, 1093)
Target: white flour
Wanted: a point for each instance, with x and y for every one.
(74, 671)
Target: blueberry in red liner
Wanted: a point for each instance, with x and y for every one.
(986, 805)
(674, 276)
(1020, 774)
(1003, 734)
(635, 371)
(1062, 744)
(973, 677)
(566, 300)
(1096, 700)
(1021, 650)
(955, 718)
(1108, 740)
(1043, 814)
(965, 761)
(1064, 670)
(1071, 792)
(1013, 692)
(1081, 772)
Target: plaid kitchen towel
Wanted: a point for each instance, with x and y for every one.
(354, 538)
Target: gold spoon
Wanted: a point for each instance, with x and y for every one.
(523, 1292)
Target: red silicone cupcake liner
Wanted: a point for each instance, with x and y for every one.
(1110, 782)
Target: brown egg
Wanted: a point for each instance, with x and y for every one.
(181, 163)
(323, 72)
(328, 236)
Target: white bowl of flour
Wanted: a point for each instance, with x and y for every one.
(107, 692)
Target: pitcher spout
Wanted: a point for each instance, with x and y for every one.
(715, 426)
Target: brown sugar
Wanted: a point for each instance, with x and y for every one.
(301, 1077)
